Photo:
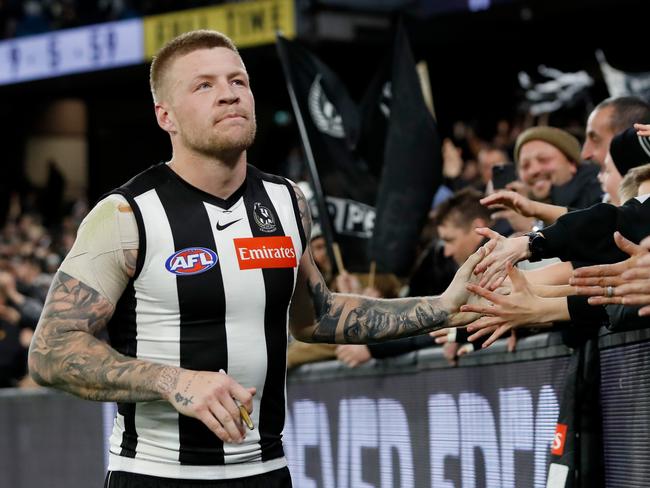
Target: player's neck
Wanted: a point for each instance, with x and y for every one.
(213, 176)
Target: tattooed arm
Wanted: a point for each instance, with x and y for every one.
(65, 353)
(318, 315)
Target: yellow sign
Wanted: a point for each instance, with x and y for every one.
(246, 23)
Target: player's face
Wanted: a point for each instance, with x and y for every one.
(212, 106)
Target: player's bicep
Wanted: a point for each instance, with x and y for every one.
(302, 313)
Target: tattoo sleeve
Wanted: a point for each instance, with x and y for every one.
(355, 319)
(360, 320)
(303, 208)
(65, 353)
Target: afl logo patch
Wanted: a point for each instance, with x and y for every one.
(263, 217)
(191, 260)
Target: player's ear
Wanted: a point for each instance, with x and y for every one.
(165, 118)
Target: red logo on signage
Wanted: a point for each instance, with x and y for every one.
(559, 439)
(265, 252)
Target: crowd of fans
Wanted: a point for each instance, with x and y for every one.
(525, 181)
(30, 253)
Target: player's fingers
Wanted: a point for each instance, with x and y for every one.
(211, 422)
(230, 419)
(480, 309)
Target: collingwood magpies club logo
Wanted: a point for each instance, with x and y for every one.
(323, 112)
(263, 217)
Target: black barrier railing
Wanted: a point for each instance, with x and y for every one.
(625, 398)
(413, 421)
(410, 421)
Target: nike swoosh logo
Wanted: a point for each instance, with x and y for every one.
(225, 226)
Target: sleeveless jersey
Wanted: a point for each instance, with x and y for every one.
(211, 291)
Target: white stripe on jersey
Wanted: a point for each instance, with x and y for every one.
(245, 304)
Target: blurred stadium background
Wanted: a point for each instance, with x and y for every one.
(77, 120)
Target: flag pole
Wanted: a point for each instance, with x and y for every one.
(323, 214)
(423, 74)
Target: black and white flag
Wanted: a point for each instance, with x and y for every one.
(399, 139)
(622, 83)
(331, 126)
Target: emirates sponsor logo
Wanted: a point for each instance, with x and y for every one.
(265, 252)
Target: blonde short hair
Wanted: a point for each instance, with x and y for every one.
(629, 186)
(179, 46)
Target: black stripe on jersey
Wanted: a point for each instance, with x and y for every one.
(201, 298)
(278, 285)
(296, 211)
(122, 332)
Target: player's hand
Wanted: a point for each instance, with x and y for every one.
(456, 294)
(211, 398)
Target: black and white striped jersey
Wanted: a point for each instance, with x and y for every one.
(212, 288)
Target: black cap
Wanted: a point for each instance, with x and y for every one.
(628, 150)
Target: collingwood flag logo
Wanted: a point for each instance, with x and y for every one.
(324, 114)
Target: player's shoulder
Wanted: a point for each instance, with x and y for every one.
(144, 181)
(254, 172)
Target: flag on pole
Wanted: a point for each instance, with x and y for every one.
(409, 160)
(329, 133)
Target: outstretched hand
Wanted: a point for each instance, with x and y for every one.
(500, 253)
(511, 199)
(457, 294)
(642, 129)
(504, 313)
(623, 277)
